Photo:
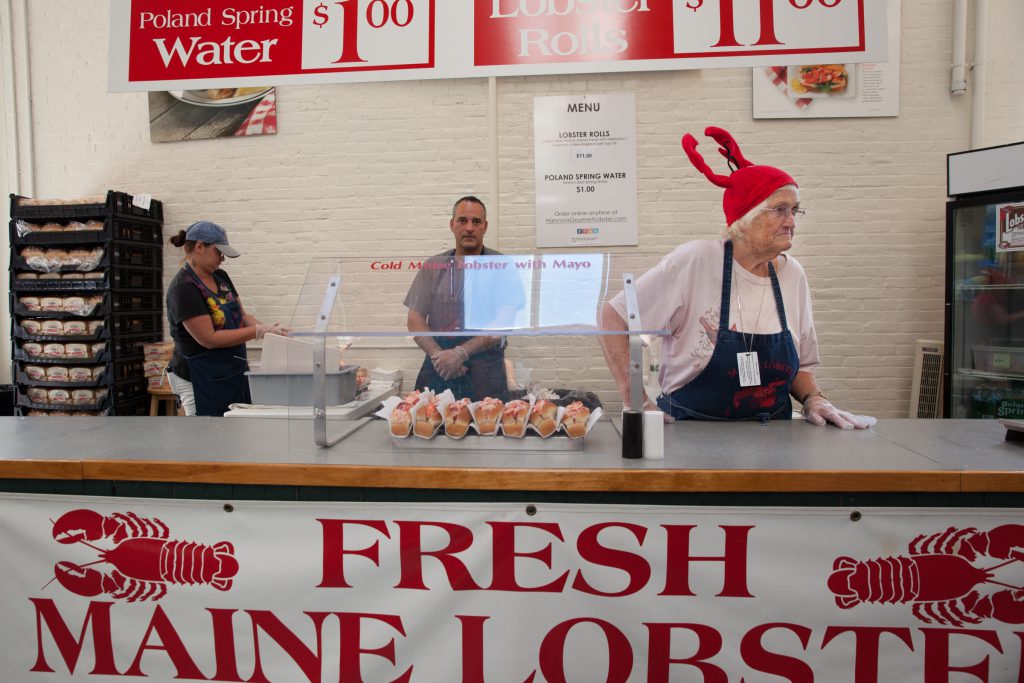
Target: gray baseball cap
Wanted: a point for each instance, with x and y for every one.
(211, 233)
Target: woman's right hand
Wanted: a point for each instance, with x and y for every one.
(263, 330)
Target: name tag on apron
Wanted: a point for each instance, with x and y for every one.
(750, 373)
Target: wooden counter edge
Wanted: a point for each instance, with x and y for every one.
(65, 470)
(639, 481)
(992, 482)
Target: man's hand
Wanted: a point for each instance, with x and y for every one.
(450, 363)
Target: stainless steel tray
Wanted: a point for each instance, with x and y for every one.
(475, 442)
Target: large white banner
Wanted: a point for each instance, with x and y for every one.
(585, 170)
(103, 589)
(199, 44)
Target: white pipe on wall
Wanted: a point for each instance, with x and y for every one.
(494, 210)
(8, 96)
(22, 85)
(958, 76)
(979, 68)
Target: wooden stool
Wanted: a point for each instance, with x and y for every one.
(168, 398)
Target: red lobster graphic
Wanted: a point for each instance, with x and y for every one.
(938, 577)
(142, 559)
(758, 397)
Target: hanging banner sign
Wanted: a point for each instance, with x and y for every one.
(201, 44)
(117, 588)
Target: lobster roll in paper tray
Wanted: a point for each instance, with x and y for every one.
(457, 418)
(487, 414)
(514, 417)
(574, 419)
(428, 418)
(400, 415)
(544, 417)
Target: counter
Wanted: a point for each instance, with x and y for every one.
(896, 456)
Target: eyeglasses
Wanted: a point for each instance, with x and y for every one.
(784, 212)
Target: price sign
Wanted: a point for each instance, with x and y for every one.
(172, 44)
(339, 34)
(705, 27)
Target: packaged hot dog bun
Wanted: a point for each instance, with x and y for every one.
(513, 418)
(575, 419)
(428, 419)
(457, 418)
(488, 412)
(543, 417)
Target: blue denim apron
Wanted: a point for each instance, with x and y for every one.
(716, 394)
(218, 375)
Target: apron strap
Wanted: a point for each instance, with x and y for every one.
(723, 315)
(777, 291)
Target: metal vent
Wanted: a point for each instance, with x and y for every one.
(926, 393)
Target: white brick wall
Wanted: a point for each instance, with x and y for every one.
(368, 169)
(1004, 104)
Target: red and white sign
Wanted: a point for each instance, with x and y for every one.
(191, 44)
(104, 588)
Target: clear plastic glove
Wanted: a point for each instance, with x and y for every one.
(651, 405)
(818, 410)
(263, 330)
(450, 363)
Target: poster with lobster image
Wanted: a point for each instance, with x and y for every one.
(107, 589)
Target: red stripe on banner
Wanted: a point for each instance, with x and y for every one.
(503, 33)
(190, 39)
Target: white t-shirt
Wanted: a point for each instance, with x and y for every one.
(683, 294)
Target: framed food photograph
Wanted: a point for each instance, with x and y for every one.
(180, 115)
(821, 80)
(841, 90)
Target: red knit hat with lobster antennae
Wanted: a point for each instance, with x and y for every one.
(747, 186)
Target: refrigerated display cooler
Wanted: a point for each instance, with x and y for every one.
(984, 361)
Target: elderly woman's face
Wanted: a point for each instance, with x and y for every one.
(771, 232)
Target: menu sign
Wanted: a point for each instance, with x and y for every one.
(585, 170)
(169, 44)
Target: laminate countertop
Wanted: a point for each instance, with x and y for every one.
(894, 456)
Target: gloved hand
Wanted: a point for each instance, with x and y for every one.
(651, 405)
(263, 330)
(818, 410)
(450, 363)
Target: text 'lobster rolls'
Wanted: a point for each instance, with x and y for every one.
(514, 417)
(457, 418)
(544, 417)
(574, 419)
(486, 414)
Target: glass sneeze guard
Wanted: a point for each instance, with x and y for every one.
(539, 314)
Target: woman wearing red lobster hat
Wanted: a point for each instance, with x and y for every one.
(739, 309)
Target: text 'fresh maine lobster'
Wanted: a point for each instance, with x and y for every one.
(141, 557)
(938, 577)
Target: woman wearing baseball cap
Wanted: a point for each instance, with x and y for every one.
(208, 325)
(739, 309)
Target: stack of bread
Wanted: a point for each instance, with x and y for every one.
(157, 356)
